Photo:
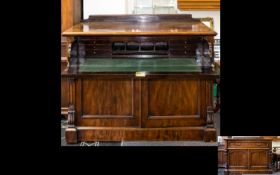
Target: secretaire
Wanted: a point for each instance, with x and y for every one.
(140, 77)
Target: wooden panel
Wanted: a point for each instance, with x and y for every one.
(173, 97)
(64, 93)
(174, 102)
(108, 102)
(259, 159)
(66, 14)
(198, 4)
(70, 13)
(107, 97)
(238, 159)
(77, 11)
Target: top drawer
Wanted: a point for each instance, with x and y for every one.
(249, 144)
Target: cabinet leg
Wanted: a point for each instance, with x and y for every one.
(71, 135)
(210, 135)
(71, 131)
(210, 132)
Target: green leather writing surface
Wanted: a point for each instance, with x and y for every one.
(135, 65)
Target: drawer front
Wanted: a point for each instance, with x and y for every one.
(249, 144)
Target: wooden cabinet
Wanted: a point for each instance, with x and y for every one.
(248, 156)
(127, 83)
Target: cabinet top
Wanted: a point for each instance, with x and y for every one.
(101, 25)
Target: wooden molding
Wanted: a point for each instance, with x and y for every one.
(198, 4)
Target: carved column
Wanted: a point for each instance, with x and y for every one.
(203, 57)
(69, 44)
(210, 131)
(71, 116)
(71, 131)
(210, 117)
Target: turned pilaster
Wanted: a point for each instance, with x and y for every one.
(71, 116)
(210, 117)
(71, 131)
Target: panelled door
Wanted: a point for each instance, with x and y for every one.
(174, 102)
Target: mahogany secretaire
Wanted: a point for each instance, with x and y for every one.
(248, 155)
(140, 77)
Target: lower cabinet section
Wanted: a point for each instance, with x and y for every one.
(115, 107)
(248, 156)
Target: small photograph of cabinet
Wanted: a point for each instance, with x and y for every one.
(248, 155)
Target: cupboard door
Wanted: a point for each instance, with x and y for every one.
(259, 159)
(104, 101)
(238, 159)
(175, 102)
